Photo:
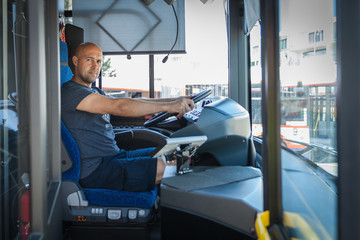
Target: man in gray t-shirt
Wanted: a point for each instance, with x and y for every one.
(93, 132)
(86, 113)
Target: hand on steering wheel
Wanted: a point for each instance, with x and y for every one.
(164, 115)
(181, 106)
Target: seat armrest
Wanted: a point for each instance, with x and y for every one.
(131, 139)
(66, 162)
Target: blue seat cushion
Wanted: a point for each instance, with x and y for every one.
(114, 198)
(103, 197)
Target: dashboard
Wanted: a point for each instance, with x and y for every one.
(227, 127)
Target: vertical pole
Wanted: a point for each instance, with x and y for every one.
(53, 87)
(271, 109)
(4, 171)
(239, 66)
(151, 76)
(54, 214)
(348, 105)
(37, 117)
(100, 79)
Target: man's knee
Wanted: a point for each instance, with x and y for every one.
(160, 170)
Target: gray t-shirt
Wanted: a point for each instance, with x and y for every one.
(92, 132)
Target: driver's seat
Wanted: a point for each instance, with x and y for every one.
(96, 205)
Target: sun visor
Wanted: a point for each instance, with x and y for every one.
(131, 26)
(251, 13)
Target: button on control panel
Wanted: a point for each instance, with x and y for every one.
(114, 214)
(97, 211)
(132, 214)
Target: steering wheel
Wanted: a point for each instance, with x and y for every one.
(164, 115)
(13, 97)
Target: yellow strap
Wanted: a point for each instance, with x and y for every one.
(261, 224)
(291, 220)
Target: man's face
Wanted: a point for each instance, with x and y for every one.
(88, 64)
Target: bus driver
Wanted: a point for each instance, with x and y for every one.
(86, 113)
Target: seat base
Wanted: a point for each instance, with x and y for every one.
(104, 205)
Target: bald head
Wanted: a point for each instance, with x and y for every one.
(83, 47)
(87, 63)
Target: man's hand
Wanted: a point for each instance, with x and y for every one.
(181, 106)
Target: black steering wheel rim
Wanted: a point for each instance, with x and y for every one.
(13, 97)
(164, 115)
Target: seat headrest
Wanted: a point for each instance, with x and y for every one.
(74, 36)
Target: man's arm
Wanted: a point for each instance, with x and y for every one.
(132, 107)
(161, 99)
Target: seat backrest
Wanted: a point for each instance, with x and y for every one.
(70, 146)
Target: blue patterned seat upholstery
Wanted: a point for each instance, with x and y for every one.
(74, 172)
(98, 197)
(65, 71)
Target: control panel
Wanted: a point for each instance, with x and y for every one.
(110, 214)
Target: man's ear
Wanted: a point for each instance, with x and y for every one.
(75, 60)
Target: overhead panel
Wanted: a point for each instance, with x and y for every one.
(131, 26)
